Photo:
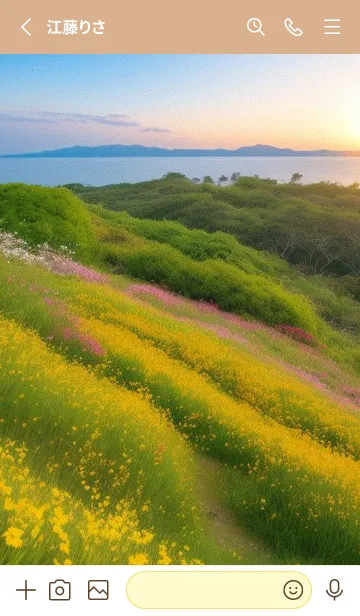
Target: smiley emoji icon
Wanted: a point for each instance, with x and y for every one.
(293, 590)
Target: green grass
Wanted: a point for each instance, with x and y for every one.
(46, 215)
(74, 428)
(316, 226)
(118, 398)
(66, 387)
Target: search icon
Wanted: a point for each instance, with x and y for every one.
(254, 25)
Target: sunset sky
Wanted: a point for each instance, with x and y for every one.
(302, 101)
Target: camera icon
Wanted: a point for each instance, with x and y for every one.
(59, 591)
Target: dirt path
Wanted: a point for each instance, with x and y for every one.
(226, 529)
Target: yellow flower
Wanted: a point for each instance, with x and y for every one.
(138, 559)
(13, 537)
(64, 547)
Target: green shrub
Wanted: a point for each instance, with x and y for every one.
(197, 244)
(212, 280)
(46, 215)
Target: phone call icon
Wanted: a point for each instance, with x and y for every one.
(289, 25)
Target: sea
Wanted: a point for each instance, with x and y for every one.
(103, 171)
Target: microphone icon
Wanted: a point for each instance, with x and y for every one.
(334, 589)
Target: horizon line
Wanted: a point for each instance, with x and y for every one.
(249, 150)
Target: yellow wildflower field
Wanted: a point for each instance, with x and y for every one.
(112, 406)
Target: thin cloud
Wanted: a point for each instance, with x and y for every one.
(117, 115)
(55, 117)
(155, 130)
(58, 117)
(9, 117)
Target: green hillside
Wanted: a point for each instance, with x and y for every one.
(316, 226)
(170, 395)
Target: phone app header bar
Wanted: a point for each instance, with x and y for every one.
(186, 27)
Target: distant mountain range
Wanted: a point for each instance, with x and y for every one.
(113, 151)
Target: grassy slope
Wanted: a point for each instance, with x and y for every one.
(304, 223)
(216, 268)
(155, 388)
(301, 222)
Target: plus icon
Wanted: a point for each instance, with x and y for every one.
(26, 590)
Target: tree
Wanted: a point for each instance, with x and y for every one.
(223, 179)
(172, 175)
(208, 180)
(296, 177)
(235, 177)
(195, 181)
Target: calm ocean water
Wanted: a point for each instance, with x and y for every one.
(101, 171)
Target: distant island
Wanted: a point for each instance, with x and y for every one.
(114, 151)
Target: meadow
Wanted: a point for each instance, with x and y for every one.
(169, 395)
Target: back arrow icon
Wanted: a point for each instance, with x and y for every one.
(23, 27)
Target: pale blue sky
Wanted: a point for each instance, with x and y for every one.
(302, 101)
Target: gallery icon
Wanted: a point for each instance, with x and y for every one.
(59, 591)
(98, 590)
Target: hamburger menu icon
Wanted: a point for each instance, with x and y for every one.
(98, 590)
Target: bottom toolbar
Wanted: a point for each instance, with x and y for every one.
(126, 589)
